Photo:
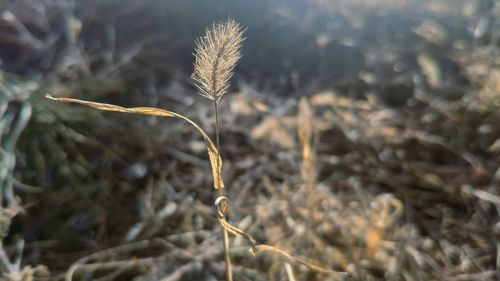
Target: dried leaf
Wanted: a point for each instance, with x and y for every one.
(271, 249)
(296, 260)
(213, 154)
(236, 231)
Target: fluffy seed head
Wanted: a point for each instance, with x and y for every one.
(216, 55)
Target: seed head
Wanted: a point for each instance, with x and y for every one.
(216, 55)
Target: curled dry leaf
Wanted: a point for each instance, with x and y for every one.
(273, 250)
(213, 154)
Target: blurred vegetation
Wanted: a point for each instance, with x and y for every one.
(405, 102)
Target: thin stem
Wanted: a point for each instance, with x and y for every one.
(225, 235)
(217, 134)
(225, 242)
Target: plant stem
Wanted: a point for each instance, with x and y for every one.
(217, 135)
(227, 258)
(225, 235)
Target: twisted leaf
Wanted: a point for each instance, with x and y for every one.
(213, 154)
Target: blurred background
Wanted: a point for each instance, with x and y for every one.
(400, 101)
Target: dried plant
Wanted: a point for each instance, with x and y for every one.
(222, 202)
(213, 154)
(216, 56)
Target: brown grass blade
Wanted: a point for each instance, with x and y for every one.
(271, 249)
(213, 154)
(236, 231)
(295, 260)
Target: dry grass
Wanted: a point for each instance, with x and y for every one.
(222, 203)
(216, 56)
(222, 43)
(383, 191)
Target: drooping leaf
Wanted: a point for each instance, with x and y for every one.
(213, 154)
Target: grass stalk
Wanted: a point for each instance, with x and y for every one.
(217, 132)
(216, 55)
(225, 235)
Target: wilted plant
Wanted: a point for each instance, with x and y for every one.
(216, 56)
